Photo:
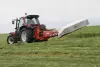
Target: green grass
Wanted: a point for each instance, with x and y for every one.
(78, 49)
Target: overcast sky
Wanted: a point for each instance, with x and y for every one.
(53, 13)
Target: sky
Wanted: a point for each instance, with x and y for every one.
(53, 13)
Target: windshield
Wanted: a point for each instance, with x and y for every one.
(33, 21)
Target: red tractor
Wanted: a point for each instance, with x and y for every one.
(28, 29)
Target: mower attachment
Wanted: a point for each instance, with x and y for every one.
(72, 27)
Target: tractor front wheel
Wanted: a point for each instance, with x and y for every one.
(11, 39)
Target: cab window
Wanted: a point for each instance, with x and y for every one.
(21, 22)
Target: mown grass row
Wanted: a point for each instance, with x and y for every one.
(78, 49)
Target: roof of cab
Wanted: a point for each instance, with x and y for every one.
(32, 16)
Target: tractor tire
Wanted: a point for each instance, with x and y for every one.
(26, 35)
(23, 34)
(29, 35)
(11, 39)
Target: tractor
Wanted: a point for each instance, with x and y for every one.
(28, 29)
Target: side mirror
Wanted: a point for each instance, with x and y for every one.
(12, 22)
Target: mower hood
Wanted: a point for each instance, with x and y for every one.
(69, 28)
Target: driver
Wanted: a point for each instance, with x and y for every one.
(29, 21)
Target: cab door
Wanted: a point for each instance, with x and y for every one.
(21, 22)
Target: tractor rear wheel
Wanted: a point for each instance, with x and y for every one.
(29, 35)
(11, 39)
(23, 34)
(26, 35)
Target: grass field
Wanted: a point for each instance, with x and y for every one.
(78, 49)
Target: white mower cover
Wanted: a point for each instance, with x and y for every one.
(72, 27)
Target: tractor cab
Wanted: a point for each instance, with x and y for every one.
(26, 21)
